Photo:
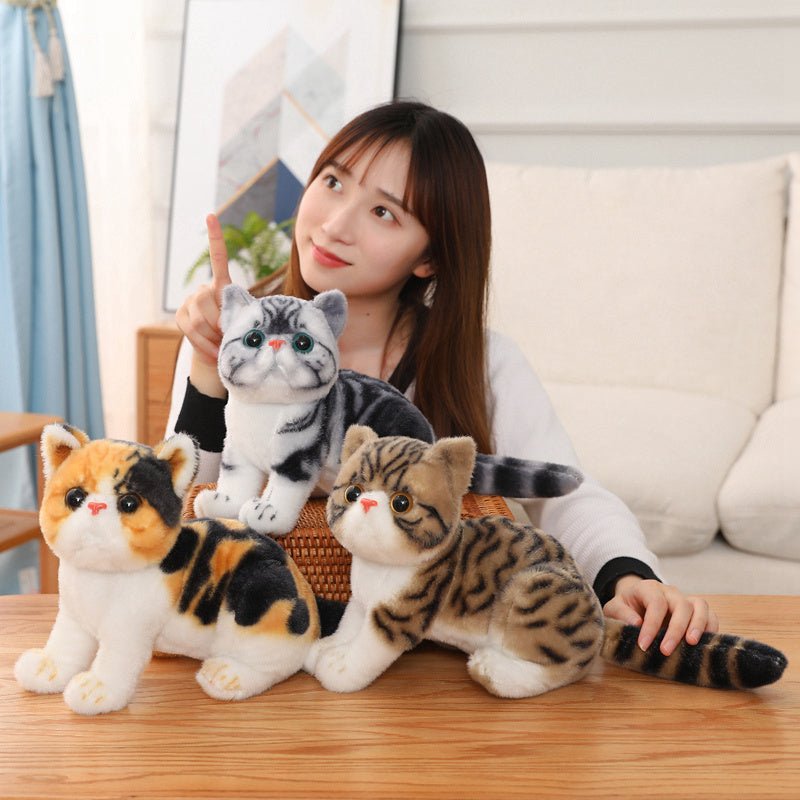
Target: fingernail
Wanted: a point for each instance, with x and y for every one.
(667, 646)
(644, 642)
(694, 636)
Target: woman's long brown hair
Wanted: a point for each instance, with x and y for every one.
(447, 191)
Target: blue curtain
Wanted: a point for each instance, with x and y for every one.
(48, 344)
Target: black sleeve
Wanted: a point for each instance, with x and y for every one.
(611, 572)
(203, 418)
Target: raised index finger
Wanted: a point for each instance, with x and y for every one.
(218, 254)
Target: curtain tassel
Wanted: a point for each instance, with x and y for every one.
(56, 56)
(56, 53)
(47, 67)
(42, 75)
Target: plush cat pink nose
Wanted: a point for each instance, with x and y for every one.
(96, 508)
(275, 344)
(368, 504)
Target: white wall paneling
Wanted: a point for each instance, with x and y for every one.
(574, 82)
(610, 83)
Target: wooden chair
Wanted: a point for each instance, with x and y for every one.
(18, 527)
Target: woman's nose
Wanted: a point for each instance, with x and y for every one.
(339, 224)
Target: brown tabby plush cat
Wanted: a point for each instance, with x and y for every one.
(506, 594)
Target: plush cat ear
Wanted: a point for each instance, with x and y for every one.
(356, 436)
(458, 455)
(333, 305)
(58, 442)
(234, 298)
(180, 453)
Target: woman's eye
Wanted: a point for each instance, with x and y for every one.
(332, 182)
(383, 213)
(128, 503)
(352, 493)
(302, 343)
(400, 503)
(254, 338)
(75, 497)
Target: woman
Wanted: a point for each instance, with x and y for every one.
(396, 215)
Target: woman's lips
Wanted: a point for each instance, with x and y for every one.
(326, 258)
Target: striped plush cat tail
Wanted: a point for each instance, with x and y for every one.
(516, 477)
(719, 660)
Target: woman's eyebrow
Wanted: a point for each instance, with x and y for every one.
(383, 192)
(396, 200)
(341, 167)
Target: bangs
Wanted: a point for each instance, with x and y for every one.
(350, 153)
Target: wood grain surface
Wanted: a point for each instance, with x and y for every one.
(422, 730)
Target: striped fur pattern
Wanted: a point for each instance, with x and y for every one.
(289, 406)
(133, 579)
(506, 594)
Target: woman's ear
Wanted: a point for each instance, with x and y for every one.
(424, 269)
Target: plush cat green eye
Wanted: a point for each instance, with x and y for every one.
(254, 338)
(352, 493)
(128, 503)
(302, 343)
(401, 503)
(75, 497)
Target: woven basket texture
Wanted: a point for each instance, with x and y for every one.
(323, 561)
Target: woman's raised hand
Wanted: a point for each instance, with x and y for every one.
(198, 316)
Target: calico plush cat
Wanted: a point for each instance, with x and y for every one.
(289, 406)
(133, 579)
(507, 594)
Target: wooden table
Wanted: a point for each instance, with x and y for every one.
(422, 730)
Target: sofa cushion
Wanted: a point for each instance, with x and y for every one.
(665, 453)
(759, 504)
(788, 379)
(643, 277)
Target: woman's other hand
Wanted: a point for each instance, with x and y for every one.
(652, 605)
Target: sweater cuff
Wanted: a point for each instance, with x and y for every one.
(607, 578)
(203, 418)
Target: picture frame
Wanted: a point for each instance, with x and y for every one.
(264, 85)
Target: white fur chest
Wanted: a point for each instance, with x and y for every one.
(264, 433)
(251, 428)
(113, 601)
(372, 583)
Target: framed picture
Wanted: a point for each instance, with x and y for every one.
(264, 85)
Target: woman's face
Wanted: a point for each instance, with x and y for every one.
(352, 231)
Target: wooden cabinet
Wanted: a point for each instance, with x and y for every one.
(156, 351)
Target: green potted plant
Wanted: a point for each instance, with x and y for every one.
(260, 246)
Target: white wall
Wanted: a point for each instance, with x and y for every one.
(579, 82)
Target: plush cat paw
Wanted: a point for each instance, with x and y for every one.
(508, 676)
(225, 679)
(37, 671)
(264, 517)
(87, 694)
(312, 656)
(210, 503)
(337, 670)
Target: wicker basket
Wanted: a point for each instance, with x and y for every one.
(324, 562)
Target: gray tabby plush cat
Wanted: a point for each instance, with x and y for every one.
(289, 407)
(506, 594)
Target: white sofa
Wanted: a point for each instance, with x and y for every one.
(661, 307)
